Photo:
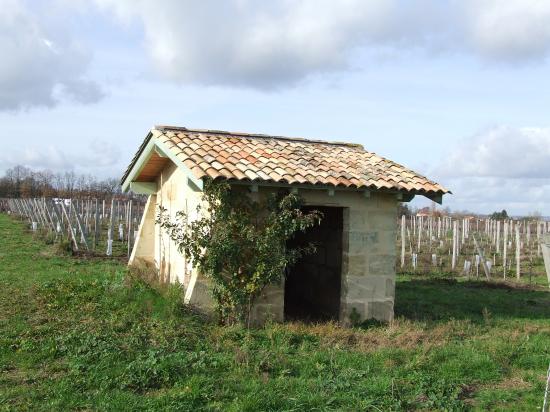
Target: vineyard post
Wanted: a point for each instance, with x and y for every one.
(453, 261)
(110, 230)
(97, 224)
(81, 228)
(69, 225)
(482, 258)
(498, 237)
(403, 232)
(505, 248)
(518, 253)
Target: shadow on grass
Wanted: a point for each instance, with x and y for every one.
(444, 299)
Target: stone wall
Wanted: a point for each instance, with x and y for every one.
(368, 279)
(368, 262)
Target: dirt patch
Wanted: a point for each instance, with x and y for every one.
(400, 334)
(510, 383)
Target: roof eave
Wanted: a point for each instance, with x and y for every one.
(403, 195)
(125, 181)
(140, 159)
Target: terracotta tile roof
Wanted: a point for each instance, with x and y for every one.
(275, 159)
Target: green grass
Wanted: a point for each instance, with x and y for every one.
(74, 335)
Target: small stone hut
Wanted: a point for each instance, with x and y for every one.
(353, 270)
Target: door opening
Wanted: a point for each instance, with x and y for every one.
(312, 286)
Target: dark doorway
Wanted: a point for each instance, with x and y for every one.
(312, 286)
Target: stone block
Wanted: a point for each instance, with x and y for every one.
(272, 294)
(199, 295)
(387, 202)
(381, 310)
(361, 242)
(347, 309)
(390, 287)
(382, 220)
(345, 264)
(262, 313)
(346, 219)
(359, 288)
(380, 285)
(345, 241)
(375, 285)
(381, 265)
(358, 220)
(356, 265)
(386, 241)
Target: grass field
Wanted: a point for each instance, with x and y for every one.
(75, 335)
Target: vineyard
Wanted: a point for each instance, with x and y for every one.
(96, 226)
(473, 247)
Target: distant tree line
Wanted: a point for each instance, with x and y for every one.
(20, 181)
(502, 215)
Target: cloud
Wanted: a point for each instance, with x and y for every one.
(49, 157)
(504, 152)
(519, 197)
(82, 91)
(39, 67)
(511, 30)
(258, 44)
(100, 158)
(500, 168)
(274, 44)
(102, 154)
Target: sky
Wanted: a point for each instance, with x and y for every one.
(456, 90)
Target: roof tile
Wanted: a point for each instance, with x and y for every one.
(240, 156)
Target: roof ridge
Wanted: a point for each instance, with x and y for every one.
(163, 128)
